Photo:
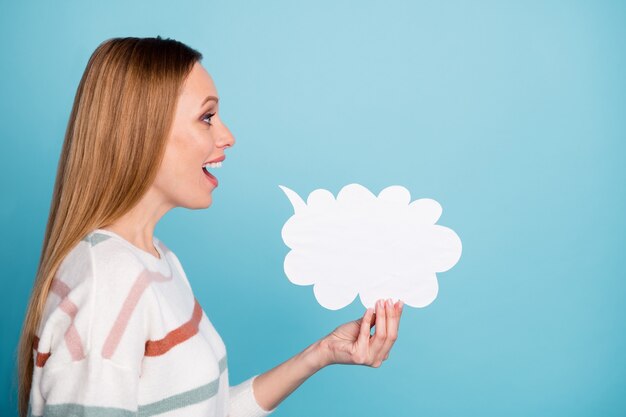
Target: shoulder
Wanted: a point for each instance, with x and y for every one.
(99, 255)
(99, 302)
(94, 263)
(121, 281)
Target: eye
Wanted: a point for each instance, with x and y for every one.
(208, 115)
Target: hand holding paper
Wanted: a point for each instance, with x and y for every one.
(352, 344)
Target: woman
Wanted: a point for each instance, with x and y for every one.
(113, 327)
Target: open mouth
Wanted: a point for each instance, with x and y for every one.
(208, 175)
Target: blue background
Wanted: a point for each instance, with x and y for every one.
(510, 114)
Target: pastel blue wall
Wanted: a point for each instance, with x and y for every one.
(510, 114)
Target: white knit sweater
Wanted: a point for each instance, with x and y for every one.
(122, 334)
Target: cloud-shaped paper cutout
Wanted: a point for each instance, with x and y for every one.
(361, 244)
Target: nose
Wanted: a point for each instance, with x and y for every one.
(226, 138)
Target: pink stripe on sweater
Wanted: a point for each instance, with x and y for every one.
(132, 299)
(72, 338)
(60, 288)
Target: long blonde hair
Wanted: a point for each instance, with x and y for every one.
(114, 143)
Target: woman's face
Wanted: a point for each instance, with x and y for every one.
(198, 136)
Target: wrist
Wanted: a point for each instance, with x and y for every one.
(314, 357)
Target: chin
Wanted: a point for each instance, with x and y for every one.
(206, 204)
(198, 205)
(209, 201)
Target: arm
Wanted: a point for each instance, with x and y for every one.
(350, 343)
(273, 386)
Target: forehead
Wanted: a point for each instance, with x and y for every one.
(198, 84)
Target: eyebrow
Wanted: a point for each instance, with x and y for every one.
(209, 98)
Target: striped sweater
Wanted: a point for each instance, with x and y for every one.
(122, 334)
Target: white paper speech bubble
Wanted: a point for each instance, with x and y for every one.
(361, 244)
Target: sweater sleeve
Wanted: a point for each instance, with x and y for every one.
(243, 403)
(91, 342)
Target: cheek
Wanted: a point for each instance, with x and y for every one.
(182, 173)
(182, 163)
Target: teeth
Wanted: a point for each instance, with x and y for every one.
(213, 165)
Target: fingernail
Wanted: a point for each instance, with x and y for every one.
(401, 304)
(389, 302)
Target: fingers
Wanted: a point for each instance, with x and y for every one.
(399, 308)
(374, 349)
(393, 319)
(380, 335)
(366, 325)
(387, 324)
